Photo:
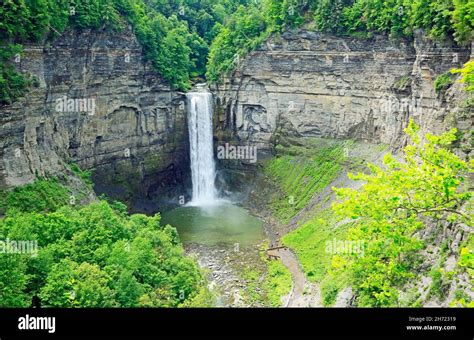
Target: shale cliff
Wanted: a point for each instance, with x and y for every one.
(97, 104)
(305, 83)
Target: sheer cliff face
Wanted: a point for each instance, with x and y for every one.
(312, 84)
(99, 105)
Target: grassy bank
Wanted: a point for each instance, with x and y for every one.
(303, 171)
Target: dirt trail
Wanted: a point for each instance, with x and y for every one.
(303, 293)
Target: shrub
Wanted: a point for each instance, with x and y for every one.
(442, 82)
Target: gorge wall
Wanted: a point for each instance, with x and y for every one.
(301, 83)
(131, 130)
(305, 83)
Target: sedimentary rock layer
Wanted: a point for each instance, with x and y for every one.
(305, 83)
(98, 104)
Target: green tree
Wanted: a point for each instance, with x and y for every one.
(245, 30)
(128, 290)
(70, 284)
(97, 256)
(396, 201)
(434, 16)
(175, 62)
(13, 281)
(328, 16)
(14, 19)
(39, 18)
(463, 20)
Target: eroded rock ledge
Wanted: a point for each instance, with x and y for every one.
(305, 83)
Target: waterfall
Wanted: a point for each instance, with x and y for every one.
(201, 147)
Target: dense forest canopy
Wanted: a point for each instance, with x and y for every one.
(91, 256)
(185, 39)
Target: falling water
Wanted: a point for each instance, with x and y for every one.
(201, 147)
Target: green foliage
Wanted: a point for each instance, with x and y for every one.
(176, 66)
(13, 281)
(433, 16)
(36, 20)
(334, 282)
(438, 285)
(12, 83)
(277, 283)
(466, 258)
(14, 15)
(32, 20)
(267, 286)
(328, 15)
(440, 19)
(72, 285)
(246, 29)
(94, 13)
(402, 83)
(86, 175)
(467, 75)
(180, 36)
(253, 296)
(43, 195)
(463, 20)
(314, 239)
(242, 33)
(98, 256)
(465, 265)
(393, 204)
(301, 172)
(309, 243)
(461, 299)
(442, 82)
(282, 14)
(164, 41)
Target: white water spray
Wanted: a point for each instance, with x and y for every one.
(201, 148)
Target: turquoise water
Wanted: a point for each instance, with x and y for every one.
(223, 223)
